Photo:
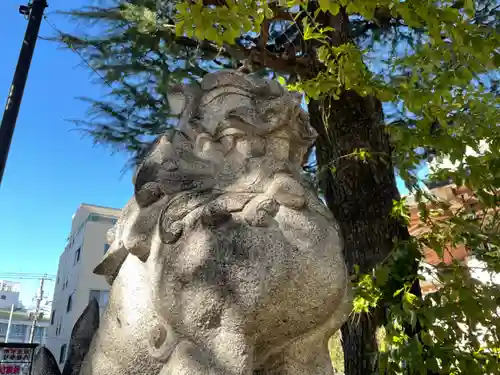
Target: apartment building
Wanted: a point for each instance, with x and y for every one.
(21, 319)
(9, 294)
(20, 327)
(76, 284)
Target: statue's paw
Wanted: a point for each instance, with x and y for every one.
(289, 200)
(162, 341)
(171, 233)
(287, 192)
(214, 214)
(260, 211)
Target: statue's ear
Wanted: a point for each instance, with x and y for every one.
(177, 100)
(44, 362)
(81, 337)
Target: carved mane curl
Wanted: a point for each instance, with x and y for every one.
(226, 107)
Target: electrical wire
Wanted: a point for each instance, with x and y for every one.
(26, 276)
(85, 61)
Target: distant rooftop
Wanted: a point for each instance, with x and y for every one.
(102, 210)
(94, 213)
(10, 286)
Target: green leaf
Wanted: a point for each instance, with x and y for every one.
(426, 338)
(269, 13)
(440, 333)
(324, 5)
(352, 8)
(382, 275)
(410, 298)
(464, 74)
(329, 6)
(469, 7)
(398, 292)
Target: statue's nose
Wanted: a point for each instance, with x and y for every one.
(146, 180)
(147, 190)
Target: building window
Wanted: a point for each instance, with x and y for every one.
(3, 329)
(106, 248)
(77, 256)
(39, 334)
(62, 354)
(58, 328)
(79, 229)
(69, 304)
(95, 217)
(3, 296)
(18, 331)
(52, 317)
(103, 219)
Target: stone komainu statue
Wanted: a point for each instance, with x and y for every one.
(225, 261)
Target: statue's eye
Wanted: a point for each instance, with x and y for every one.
(148, 193)
(170, 165)
(270, 113)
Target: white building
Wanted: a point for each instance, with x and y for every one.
(20, 327)
(445, 162)
(9, 294)
(76, 284)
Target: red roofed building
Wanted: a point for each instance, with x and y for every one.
(457, 198)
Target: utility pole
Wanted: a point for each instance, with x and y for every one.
(39, 299)
(9, 325)
(34, 11)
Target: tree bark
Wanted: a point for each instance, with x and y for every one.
(360, 193)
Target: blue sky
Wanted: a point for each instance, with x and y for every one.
(52, 168)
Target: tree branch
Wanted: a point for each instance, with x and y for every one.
(255, 56)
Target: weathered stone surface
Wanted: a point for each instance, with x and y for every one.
(82, 333)
(44, 362)
(81, 337)
(225, 261)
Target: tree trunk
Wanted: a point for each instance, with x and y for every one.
(360, 194)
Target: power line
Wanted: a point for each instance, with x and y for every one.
(25, 273)
(86, 62)
(39, 297)
(21, 275)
